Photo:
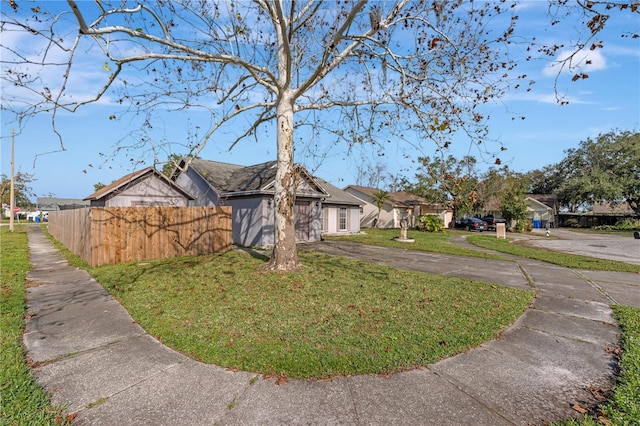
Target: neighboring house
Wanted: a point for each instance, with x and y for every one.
(446, 214)
(144, 188)
(250, 192)
(602, 214)
(52, 204)
(401, 205)
(543, 210)
(340, 211)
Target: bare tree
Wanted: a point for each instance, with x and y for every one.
(380, 73)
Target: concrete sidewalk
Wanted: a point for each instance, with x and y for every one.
(93, 358)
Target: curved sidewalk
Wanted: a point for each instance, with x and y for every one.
(93, 358)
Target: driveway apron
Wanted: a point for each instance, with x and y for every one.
(95, 360)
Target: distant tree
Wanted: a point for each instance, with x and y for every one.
(606, 169)
(170, 165)
(98, 186)
(513, 200)
(491, 185)
(379, 197)
(546, 180)
(21, 189)
(449, 181)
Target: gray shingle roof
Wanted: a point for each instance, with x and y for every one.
(231, 179)
(54, 204)
(548, 200)
(398, 199)
(337, 195)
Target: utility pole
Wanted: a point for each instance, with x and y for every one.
(12, 196)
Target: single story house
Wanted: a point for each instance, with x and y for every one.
(340, 211)
(53, 204)
(400, 206)
(601, 214)
(318, 209)
(445, 213)
(542, 210)
(144, 188)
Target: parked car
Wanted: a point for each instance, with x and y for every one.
(492, 221)
(473, 224)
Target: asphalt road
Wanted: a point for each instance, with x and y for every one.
(604, 246)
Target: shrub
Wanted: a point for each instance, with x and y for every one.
(430, 223)
(626, 224)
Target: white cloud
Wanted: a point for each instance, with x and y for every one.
(581, 61)
(547, 98)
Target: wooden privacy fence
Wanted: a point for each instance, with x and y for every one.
(110, 235)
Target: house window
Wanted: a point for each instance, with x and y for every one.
(343, 219)
(325, 218)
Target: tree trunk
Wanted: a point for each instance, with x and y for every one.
(285, 256)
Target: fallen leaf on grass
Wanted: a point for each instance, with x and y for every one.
(597, 393)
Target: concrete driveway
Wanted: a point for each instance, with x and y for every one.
(604, 246)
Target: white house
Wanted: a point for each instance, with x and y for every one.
(400, 206)
(340, 211)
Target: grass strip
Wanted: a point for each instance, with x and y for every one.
(335, 317)
(434, 242)
(22, 400)
(624, 407)
(563, 259)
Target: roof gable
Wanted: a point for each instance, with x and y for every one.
(548, 200)
(132, 179)
(406, 199)
(534, 202)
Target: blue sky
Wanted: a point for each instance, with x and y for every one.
(609, 99)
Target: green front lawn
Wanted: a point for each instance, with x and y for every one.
(334, 317)
(22, 400)
(435, 242)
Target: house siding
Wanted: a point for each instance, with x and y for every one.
(332, 219)
(150, 191)
(370, 211)
(250, 223)
(193, 183)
